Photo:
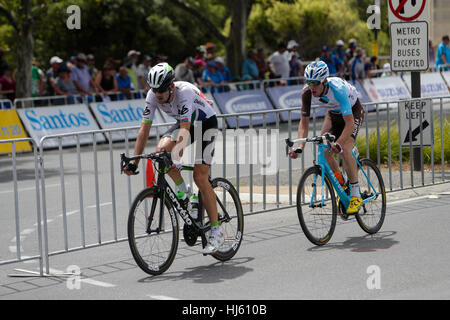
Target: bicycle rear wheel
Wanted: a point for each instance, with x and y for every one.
(153, 248)
(317, 214)
(371, 215)
(231, 215)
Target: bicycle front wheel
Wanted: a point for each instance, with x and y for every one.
(316, 206)
(231, 216)
(371, 215)
(153, 231)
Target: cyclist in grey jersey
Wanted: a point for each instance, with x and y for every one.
(187, 105)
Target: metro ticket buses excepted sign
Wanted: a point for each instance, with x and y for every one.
(11, 128)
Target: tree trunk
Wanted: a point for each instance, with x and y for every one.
(24, 51)
(235, 45)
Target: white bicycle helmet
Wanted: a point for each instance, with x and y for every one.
(317, 70)
(160, 77)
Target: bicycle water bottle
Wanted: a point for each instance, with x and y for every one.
(193, 204)
(181, 195)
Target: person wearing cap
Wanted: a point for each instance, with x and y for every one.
(356, 65)
(223, 70)
(199, 67)
(63, 84)
(82, 78)
(212, 78)
(295, 64)
(279, 64)
(335, 65)
(386, 70)
(142, 72)
(91, 65)
(210, 48)
(52, 73)
(249, 67)
(183, 70)
(133, 57)
(339, 50)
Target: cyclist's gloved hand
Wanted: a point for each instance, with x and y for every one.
(336, 148)
(176, 165)
(130, 169)
(294, 154)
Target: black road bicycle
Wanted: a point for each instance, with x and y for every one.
(153, 231)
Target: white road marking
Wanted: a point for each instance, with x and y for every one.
(161, 297)
(410, 199)
(84, 280)
(29, 189)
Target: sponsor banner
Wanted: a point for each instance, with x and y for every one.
(44, 121)
(245, 101)
(386, 89)
(11, 128)
(362, 94)
(431, 84)
(125, 113)
(446, 76)
(285, 98)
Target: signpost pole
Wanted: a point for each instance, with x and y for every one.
(416, 93)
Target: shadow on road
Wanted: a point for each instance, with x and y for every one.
(368, 243)
(213, 273)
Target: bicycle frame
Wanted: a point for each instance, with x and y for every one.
(326, 170)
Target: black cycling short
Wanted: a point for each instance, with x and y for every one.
(205, 151)
(338, 123)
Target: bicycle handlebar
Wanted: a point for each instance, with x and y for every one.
(327, 136)
(163, 156)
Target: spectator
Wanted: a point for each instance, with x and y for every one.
(261, 64)
(295, 64)
(279, 63)
(356, 65)
(142, 72)
(72, 62)
(335, 65)
(200, 53)
(132, 59)
(199, 67)
(249, 67)
(371, 65)
(292, 47)
(37, 80)
(106, 82)
(386, 70)
(183, 71)
(223, 70)
(63, 84)
(212, 78)
(91, 66)
(81, 76)
(7, 84)
(210, 48)
(52, 73)
(443, 55)
(339, 50)
(124, 82)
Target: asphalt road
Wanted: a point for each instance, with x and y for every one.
(407, 259)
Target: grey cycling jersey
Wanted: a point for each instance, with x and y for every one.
(188, 105)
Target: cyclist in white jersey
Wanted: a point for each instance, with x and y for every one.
(342, 120)
(195, 115)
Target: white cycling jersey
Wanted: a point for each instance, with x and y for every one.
(188, 104)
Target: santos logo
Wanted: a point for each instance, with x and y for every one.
(253, 103)
(119, 115)
(59, 120)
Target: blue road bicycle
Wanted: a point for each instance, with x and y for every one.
(317, 205)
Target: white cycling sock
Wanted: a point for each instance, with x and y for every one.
(355, 189)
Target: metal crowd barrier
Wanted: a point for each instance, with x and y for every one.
(95, 180)
(17, 248)
(6, 104)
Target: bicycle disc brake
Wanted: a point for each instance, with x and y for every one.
(190, 235)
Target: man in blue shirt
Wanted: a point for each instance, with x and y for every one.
(212, 78)
(443, 55)
(249, 67)
(124, 83)
(334, 63)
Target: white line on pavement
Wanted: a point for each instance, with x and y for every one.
(29, 189)
(85, 280)
(161, 297)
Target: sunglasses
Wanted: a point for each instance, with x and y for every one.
(159, 90)
(313, 83)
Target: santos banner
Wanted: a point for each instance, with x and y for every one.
(121, 114)
(245, 101)
(41, 122)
